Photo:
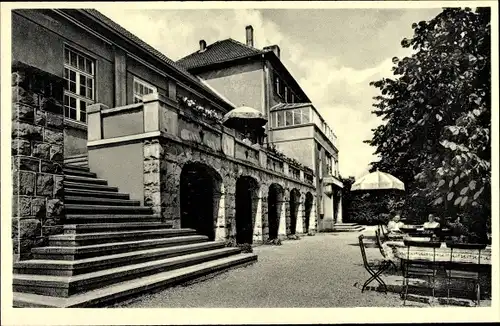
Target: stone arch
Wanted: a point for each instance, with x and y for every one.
(308, 206)
(294, 203)
(246, 203)
(200, 192)
(274, 209)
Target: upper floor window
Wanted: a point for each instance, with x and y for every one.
(79, 90)
(142, 88)
(291, 117)
(277, 85)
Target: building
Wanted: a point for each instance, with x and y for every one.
(249, 76)
(160, 174)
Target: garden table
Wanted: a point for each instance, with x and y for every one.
(466, 256)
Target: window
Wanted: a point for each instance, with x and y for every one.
(292, 100)
(142, 88)
(297, 116)
(305, 115)
(281, 118)
(286, 93)
(288, 118)
(79, 90)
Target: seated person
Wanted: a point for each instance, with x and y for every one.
(395, 224)
(431, 222)
(458, 230)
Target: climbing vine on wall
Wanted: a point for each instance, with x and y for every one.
(200, 110)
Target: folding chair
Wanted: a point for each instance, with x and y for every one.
(419, 268)
(375, 275)
(461, 271)
(382, 250)
(382, 232)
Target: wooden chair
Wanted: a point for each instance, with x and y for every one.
(382, 250)
(374, 271)
(419, 268)
(467, 272)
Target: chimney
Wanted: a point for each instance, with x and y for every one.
(275, 48)
(249, 30)
(203, 45)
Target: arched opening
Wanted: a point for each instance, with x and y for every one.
(274, 207)
(308, 203)
(246, 208)
(294, 209)
(199, 189)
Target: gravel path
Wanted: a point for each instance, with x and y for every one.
(315, 271)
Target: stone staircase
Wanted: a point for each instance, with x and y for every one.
(347, 227)
(81, 160)
(111, 249)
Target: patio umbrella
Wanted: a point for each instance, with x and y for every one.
(244, 116)
(378, 181)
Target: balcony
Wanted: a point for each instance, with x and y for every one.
(159, 116)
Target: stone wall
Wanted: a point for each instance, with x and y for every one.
(164, 160)
(37, 157)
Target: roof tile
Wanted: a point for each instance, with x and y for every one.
(220, 51)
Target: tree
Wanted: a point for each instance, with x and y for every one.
(437, 114)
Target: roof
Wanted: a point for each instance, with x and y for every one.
(286, 106)
(151, 50)
(220, 51)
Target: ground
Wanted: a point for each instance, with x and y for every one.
(316, 271)
(321, 271)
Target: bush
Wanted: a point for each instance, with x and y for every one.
(273, 242)
(245, 247)
(230, 243)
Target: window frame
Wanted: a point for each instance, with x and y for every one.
(79, 73)
(145, 84)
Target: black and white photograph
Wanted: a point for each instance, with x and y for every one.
(320, 155)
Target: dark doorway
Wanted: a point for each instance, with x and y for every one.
(274, 203)
(198, 208)
(246, 208)
(308, 203)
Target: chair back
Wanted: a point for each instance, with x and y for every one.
(363, 251)
(379, 244)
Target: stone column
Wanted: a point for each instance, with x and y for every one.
(230, 201)
(170, 174)
(339, 208)
(220, 230)
(37, 158)
(284, 226)
(313, 220)
(257, 227)
(299, 229)
(152, 186)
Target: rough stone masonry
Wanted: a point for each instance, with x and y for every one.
(37, 157)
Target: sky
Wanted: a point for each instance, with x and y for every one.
(332, 53)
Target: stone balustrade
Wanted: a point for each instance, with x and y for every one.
(159, 115)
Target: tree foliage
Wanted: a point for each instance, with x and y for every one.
(436, 135)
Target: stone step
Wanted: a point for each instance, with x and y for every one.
(95, 193)
(64, 286)
(83, 164)
(78, 172)
(99, 201)
(110, 218)
(93, 264)
(76, 168)
(104, 237)
(126, 289)
(78, 179)
(184, 237)
(106, 209)
(88, 186)
(75, 160)
(100, 227)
